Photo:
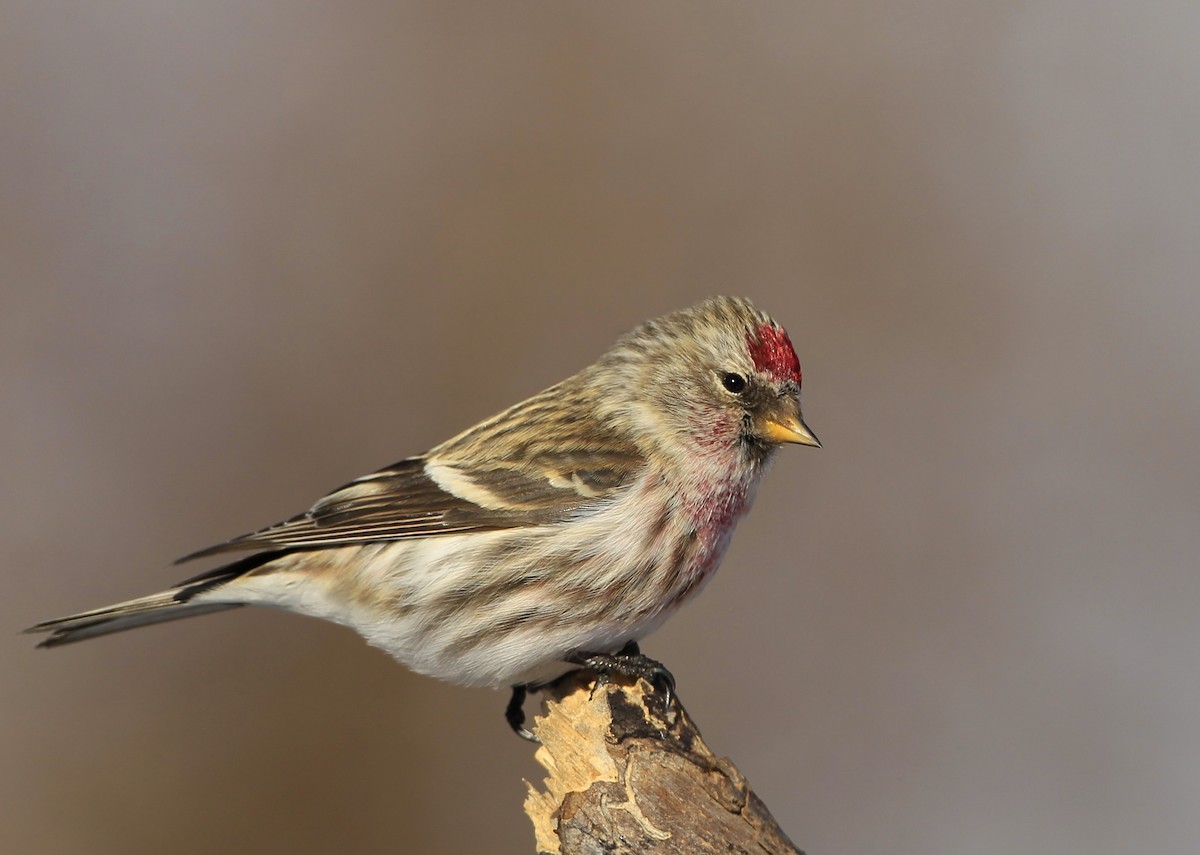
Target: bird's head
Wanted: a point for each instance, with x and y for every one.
(718, 376)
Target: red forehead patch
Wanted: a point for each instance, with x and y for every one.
(772, 352)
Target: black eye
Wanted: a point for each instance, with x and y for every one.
(733, 382)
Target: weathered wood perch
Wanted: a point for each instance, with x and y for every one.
(629, 775)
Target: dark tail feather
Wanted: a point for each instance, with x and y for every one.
(164, 606)
(156, 608)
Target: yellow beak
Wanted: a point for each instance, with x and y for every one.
(788, 426)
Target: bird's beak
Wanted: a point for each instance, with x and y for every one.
(787, 425)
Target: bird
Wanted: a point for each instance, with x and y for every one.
(551, 536)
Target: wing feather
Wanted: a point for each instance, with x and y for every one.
(406, 500)
(499, 474)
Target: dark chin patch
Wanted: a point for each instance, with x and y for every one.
(752, 445)
(772, 353)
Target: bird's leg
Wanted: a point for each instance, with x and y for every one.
(514, 713)
(629, 661)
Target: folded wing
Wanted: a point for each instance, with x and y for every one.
(423, 497)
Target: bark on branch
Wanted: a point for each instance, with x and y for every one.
(629, 775)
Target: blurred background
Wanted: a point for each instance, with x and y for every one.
(251, 250)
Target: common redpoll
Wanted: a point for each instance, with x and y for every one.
(550, 535)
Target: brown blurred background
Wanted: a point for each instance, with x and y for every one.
(251, 250)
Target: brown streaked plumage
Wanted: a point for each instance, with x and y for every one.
(574, 521)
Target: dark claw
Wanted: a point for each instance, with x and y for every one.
(629, 661)
(514, 713)
(664, 681)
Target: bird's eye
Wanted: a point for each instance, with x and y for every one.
(733, 382)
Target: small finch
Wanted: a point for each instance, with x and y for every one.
(553, 535)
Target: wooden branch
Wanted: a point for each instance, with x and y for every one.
(629, 775)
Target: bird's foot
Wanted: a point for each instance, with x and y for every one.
(629, 661)
(514, 713)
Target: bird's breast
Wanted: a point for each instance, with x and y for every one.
(709, 508)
